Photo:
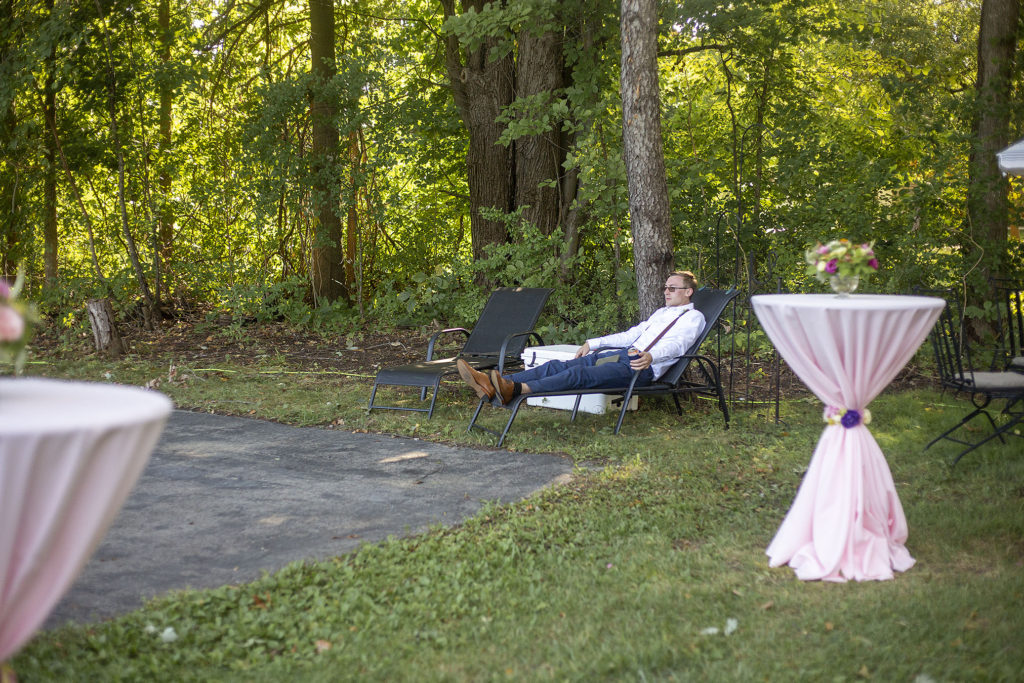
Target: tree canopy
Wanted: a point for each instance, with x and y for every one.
(389, 161)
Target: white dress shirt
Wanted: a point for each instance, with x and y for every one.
(671, 346)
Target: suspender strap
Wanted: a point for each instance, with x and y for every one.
(667, 328)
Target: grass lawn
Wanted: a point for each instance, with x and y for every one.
(650, 565)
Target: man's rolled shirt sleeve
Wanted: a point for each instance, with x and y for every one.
(673, 344)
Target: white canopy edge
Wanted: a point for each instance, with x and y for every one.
(1011, 159)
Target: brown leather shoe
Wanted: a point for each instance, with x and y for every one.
(475, 379)
(504, 388)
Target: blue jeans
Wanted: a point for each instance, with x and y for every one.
(582, 373)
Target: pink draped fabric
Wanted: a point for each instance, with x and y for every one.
(846, 521)
(69, 455)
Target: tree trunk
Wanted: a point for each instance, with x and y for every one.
(538, 158)
(10, 198)
(482, 88)
(10, 185)
(987, 190)
(50, 240)
(327, 263)
(573, 218)
(115, 139)
(165, 229)
(104, 328)
(355, 158)
(643, 153)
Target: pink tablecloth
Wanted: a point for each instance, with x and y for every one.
(69, 454)
(846, 521)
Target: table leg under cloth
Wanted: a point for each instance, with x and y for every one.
(846, 521)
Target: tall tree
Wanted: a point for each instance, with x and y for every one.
(539, 157)
(482, 78)
(643, 153)
(328, 257)
(987, 189)
(148, 305)
(50, 239)
(165, 228)
(538, 120)
(10, 173)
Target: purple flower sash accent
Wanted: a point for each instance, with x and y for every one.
(847, 417)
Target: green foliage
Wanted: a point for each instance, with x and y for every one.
(529, 259)
(748, 338)
(442, 296)
(797, 140)
(784, 124)
(497, 23)
(532, 115)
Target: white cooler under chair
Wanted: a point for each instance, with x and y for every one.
(590, 403)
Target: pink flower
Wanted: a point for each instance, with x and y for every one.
(832, 266)
(12, 325)
(823, 249)
(5, 289)
(873, 263)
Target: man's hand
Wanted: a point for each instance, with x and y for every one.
(583, 350)
(641, 361)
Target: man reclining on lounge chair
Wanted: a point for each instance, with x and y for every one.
(663, 338)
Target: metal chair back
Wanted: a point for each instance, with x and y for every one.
(1010, 318)
(508, 310)
(711, 303)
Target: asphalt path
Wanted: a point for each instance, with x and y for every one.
(225, 499)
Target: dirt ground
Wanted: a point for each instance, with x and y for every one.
(199, 341)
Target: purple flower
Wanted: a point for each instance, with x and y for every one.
(5, 289)
(832, 266)
(850, 419)
(873, 263)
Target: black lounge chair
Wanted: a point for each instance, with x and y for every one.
(710, 302)
(499, 337)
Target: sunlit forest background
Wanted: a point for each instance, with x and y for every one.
(164, 154)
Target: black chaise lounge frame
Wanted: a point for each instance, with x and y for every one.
(710, 302)
(501, 333)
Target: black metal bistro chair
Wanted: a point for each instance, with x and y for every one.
(1010, 317)
(956, 372)
(704, 379)
(501, 333)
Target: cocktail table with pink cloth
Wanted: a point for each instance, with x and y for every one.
(846, 521)
(70, 452)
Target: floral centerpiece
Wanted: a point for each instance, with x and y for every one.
(841, 263)
(16, 318)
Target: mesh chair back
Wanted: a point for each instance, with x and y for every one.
(710, 302)
(509, 310)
